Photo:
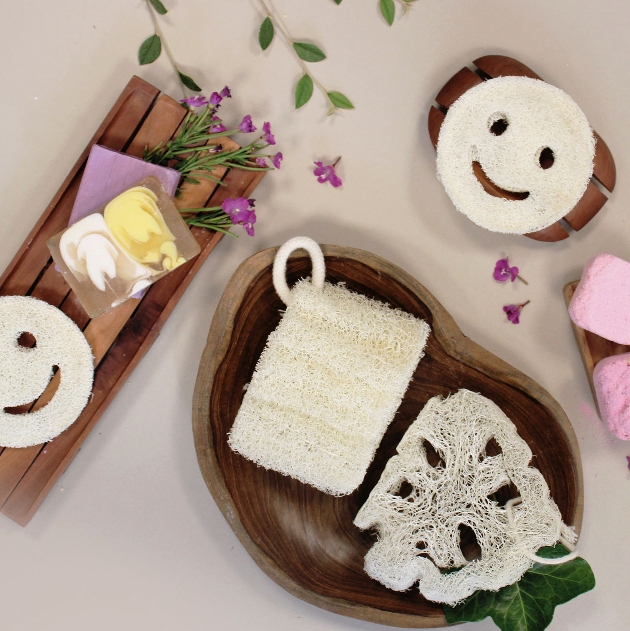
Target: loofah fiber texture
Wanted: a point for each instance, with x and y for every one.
(538, 117)
(418, 534)
(26, 372)
(327, 385)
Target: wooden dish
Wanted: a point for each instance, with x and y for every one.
(604, 171)
(302, 538)
(592, 347)
(140, 117)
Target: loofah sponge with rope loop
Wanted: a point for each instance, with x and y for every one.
(328, 382)
(419, 528)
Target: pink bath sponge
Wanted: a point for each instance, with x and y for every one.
(601, 302)
(611, 378)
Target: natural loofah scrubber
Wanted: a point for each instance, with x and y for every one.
(329, 381)
(418, 533)
(26, 372)
(534, 117)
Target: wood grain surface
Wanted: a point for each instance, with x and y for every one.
(604, 170)
(302, 538)
(119, 338)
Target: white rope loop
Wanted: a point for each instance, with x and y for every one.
(280, 265)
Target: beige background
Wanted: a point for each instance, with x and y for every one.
(130, 538)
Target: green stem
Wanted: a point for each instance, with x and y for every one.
(167, 50)
(284, 33)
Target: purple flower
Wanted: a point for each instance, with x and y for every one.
(327, 174)
(503, 271)
(268, 136)
(241, 211)
(261, 162)
(277, 159)
(217, 126)
(246, 125)
(514, 311)
(215, 98)
(198, 100)
(225, 93)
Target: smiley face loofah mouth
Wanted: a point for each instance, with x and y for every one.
(515, 154)
(419, 509)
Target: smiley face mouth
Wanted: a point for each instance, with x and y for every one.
(491, 188)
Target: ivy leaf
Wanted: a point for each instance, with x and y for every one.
(303, 91)
(388, 10)
(188, 82)
(308, 52)
(266, 33)
(150, 50)
(341, 101)
(158, 6)
(528, 604)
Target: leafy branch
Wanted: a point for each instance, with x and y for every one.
(304, 52)
(388, 8)
(151, 48)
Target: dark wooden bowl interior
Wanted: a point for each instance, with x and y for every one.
(304, 538)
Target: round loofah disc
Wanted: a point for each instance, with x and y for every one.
(513, 127)
(26, 372)
(418, 508)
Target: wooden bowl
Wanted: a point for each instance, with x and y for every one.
(604, 170)
(302, 538)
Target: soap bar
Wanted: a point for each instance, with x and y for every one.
(601, 302)
(131, 242)
(611, 378)
(108, 173)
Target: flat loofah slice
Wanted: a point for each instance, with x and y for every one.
(418, 509)
(328, 382)
(26, 372)
(534, 121)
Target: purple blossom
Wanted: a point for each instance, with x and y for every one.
(226, 93)
(514, 311)
(241, 211)
(268, 136)
(326, 173)
(246, 125)
(503, 271)
(215, 98)
(217, 126)
(261, 162)
(198, 100)
(277, 159)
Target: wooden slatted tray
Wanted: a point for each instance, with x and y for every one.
(119, 338)
(604, 171)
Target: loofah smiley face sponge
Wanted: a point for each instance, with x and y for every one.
(328, 382)
(530, 140)
(419, 533)
(26, 372)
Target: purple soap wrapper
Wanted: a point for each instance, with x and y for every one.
(109, 173)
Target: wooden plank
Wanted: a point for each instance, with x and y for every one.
(459, 83)
(436, 118)
(550, 234)
(604, 169)
(588, 206)
(502, 66)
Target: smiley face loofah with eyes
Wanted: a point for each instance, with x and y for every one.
(419, 534)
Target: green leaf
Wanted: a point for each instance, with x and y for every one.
(188, 82)
(150, 50)
(528, 604)
(388, 10)
(341, 101)
(308, 52)
(303, 91)
(337, 1)
(158, 6)
(266, 33)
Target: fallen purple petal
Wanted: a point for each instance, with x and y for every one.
(513, 312)
(503, 272)
(268, 136)
(246, 125)
(326, 173)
